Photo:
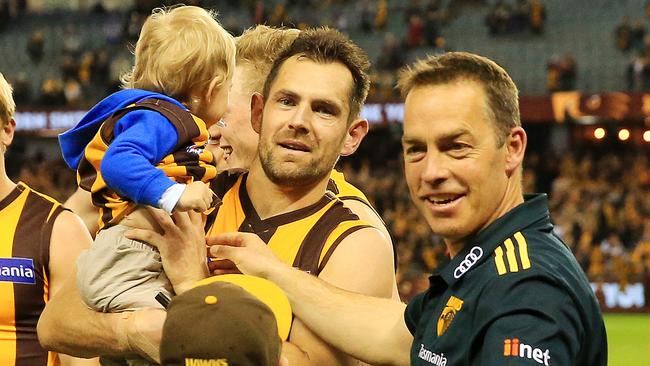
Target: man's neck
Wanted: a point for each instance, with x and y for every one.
(512, 198)
(271, 199)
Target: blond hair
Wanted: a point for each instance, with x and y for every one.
(501, 92)
(258, 47)
(180, 50)
(7, 104)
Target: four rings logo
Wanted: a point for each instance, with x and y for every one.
(470, 259)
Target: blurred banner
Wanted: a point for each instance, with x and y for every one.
(614, 297)
(558, 107)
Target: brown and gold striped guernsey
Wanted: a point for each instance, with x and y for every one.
(26, 221)
(189, 162)
(305, 238)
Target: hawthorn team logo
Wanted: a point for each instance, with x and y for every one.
(448, 314)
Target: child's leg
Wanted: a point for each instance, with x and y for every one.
(119, 274)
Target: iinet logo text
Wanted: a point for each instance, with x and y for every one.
(512, 348)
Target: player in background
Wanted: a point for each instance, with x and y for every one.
(35, 256)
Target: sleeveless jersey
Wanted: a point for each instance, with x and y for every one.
(189, 161)
(305, 238)
(26, 221)
(344, 190)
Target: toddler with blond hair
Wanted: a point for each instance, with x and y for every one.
(144, 145)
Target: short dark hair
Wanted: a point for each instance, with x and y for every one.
(327, 45)
(500, 91)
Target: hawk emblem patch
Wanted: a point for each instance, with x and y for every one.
(448, 314)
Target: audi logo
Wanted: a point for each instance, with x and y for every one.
(470, 259)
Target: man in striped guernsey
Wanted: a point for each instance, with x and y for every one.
(512, 294)
(257, 48)
(308, 117)
(35, 257)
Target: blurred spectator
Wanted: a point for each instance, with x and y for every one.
(52, 93)
(99, 70)
(431, 27)
(439, 47)
(382, 15)
(498, 18)
(73, 93)
(258, 13)
(69, 67)
(134, 21)
(638, 73)
(414, 33)
(71, 41)
(279, 16)
(413, 8)
(521, 16)
(561, 73)
(623, 33)
(35, 46)
(537, 16)
(365, 16)
(112, 29)
(637, 34)
(340, 21)
(22, 89)
(392, 54)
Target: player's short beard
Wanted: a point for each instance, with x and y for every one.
(310, 174)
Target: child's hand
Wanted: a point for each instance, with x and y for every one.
(197, 196)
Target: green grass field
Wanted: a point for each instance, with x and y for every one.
(628, 337)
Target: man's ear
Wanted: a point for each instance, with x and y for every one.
(214, 86)
(515, 147)
(7, 135)
(356, 132)
(257, 109)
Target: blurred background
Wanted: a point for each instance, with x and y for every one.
(582, 67)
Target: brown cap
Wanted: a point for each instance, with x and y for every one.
(221, 323)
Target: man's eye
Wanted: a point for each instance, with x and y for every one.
(286, 101)
(324, 110)
(458, 150)
(414, 150)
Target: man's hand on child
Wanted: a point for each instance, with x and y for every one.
(197, 196)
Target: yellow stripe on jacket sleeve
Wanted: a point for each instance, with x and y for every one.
(498, 259)
(523, 250)
(511, 255)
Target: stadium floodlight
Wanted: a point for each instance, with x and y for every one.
(623, 134)
(599, 133)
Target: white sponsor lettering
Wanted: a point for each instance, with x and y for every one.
(17, 272)
(432, 357)
(470, 260)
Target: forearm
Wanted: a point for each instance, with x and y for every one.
(68, 326)
(367, 328)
